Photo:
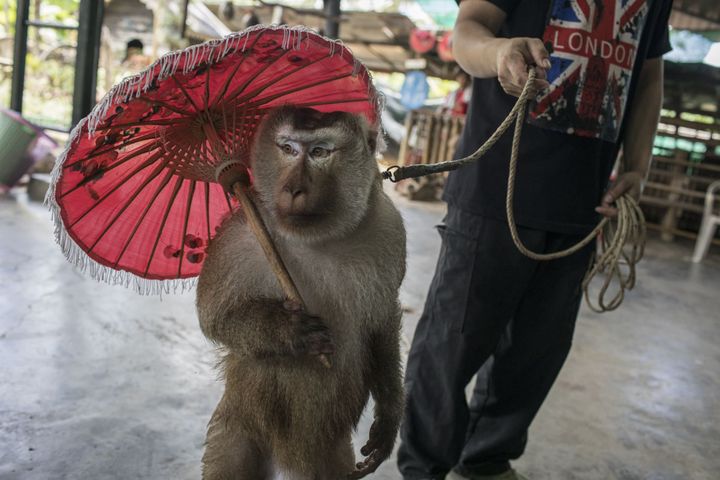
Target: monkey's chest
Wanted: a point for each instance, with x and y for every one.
(348, 290)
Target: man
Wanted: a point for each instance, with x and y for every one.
(490, 310)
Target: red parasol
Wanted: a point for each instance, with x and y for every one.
(136, 196)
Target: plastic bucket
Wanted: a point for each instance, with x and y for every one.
(22, 144)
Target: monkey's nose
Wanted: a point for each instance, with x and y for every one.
(294, 198)
(294, 190)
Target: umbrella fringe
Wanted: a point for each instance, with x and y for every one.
(103, 274)
(214, 50)
(133, 87)
(76, 256)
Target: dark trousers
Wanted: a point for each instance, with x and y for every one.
(491, 311)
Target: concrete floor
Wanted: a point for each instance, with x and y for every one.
(100, 383)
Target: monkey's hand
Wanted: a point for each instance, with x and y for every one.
(378, 448)
(309, 335)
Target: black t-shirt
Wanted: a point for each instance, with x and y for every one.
(571, 139)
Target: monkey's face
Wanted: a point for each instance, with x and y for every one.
(314, 172)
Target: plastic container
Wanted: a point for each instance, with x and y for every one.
(22, 144)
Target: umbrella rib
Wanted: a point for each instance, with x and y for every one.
(230, 131)
(182, 151)
(203, 153)
(229, 78)
(224, 117)
(138, 124)
(207, 211)
(333, 102)
(115, 188)
(185, 225)
(178, 184)
(293, 90)
(160, 188)
(242, 87)
(127, 204)
(165, 105)
(243, 123)
(206, 99)
(234, 124)
(231, 136)
(111, 149)
(227, 199)
(130, 155)
(187, 95)
(85, 181)
(237, 92)
(228, 141)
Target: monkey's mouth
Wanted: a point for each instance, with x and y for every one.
(300, 219)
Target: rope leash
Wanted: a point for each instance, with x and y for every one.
(629, 228)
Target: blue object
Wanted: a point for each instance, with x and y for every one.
(415, 90)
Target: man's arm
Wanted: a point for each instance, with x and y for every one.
(644, 113)
(481, 54)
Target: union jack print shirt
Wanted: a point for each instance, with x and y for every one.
(598, 49)
(594, 45)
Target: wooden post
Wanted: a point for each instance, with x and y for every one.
(436, 137)
(90, 20)
(332, 18)
(427, 129)
(409, 119)
(444, 139)
(677, 182)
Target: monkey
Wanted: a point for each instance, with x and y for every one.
(317, 187)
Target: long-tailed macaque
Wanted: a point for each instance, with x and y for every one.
(283, 413)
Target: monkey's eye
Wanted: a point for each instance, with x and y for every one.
(287, 148)
(319, 152)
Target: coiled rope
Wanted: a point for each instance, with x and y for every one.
(627, 229)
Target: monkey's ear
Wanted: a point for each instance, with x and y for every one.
(372, 140)
(376, 141)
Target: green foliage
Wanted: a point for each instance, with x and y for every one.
(7, 19)
(697, 118)
(50, 61)
(49, 86)
(63, 11)
(66, 5)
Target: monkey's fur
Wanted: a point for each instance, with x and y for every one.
(318, 189)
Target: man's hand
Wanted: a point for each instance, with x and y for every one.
(630, 182)
(514, 57)
(482, 54)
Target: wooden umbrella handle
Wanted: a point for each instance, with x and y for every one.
(263, 236)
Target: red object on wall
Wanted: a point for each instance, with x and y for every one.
(444, 47)
(421, 41)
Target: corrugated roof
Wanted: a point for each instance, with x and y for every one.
(379, 39)
(696, 15)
